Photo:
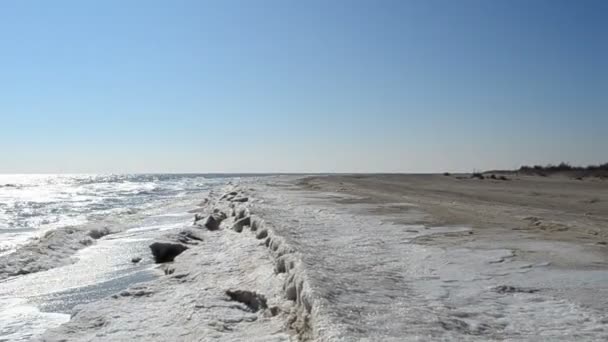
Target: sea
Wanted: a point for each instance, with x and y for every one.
(366, 276)
(136, 208)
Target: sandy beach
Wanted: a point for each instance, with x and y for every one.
(304, 171)
(375, 258)
(551, 208)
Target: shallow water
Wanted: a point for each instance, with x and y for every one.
(369, 280)
(141, 209)
(33, 204)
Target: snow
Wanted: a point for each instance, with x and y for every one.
(371, 280)
(189, 301)
(329, 273)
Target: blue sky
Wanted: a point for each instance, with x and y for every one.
(301, 86)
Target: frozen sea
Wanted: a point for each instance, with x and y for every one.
(357, 276)
(135, 208)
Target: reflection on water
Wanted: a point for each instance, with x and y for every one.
(32, 303)
(64, 301)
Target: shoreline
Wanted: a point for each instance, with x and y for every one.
(342, 251)
(215, 264)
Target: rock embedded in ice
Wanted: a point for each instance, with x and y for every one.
(240, 199)
(198, 217)
(275, 310)
(256, 222)
(98, 233)
(166, 251)
(86, 242)
(238, 225)
(240, 213)
(138, 291)
(254, 301)
(189, 236)
(279, 266)
(262, 234)
(229, 196)
(135, 260)
(212, 222)
(502, 289)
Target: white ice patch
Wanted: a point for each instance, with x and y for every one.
(158, 227)
(371, 280)
(22, 322)
(191, 302)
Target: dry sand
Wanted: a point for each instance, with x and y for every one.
(521, 214)
(552, 208)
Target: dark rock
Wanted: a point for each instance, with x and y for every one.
(512, 289)
(212, 222)
(98, 233)
(256, 223)
(280, 266)
(262, 234)
(198, 217)
(275, 310)
(189, 236)
(86, 242)
(238, 225)
(240, 213)
(291, 293)
(21, 272)
(135, 260)
(166, 251)
(240, 199)
(254, 301)
(229, 196)
(136, 292)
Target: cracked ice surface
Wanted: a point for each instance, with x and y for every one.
(353, 277)
(371, 281)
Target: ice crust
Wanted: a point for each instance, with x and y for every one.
(327, 273)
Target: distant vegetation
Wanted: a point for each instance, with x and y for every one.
(563, 168)
(600, 170)
(480, 175)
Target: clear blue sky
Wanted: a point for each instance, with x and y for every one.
(336, 86)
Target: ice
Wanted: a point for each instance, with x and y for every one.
(330, 269)
(20, 321)
(191, 301)
(372, 280)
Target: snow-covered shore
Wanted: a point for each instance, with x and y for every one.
(226, 286)
(332, 266)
